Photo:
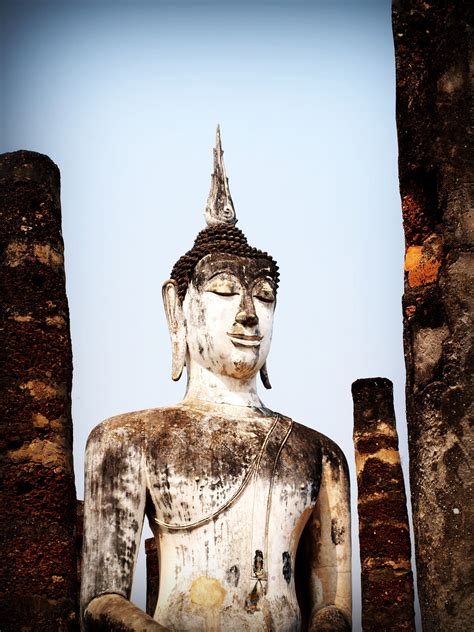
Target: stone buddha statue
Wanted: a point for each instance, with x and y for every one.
(250, 509)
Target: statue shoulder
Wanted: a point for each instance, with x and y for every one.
(334, 455)
(328, 448)
(133, 426)
(116, 426)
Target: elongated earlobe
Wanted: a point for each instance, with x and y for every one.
(175, 318)
(264, 376)
(178, 357)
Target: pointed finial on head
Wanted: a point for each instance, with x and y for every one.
(219, 208)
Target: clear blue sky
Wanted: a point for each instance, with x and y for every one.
(125, 97)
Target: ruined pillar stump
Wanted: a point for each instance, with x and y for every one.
(37, 523)
(152, 576)
(386, 576)
(433, 45)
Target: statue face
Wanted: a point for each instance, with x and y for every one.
(228, 311)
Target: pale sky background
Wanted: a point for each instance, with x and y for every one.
(125, 97)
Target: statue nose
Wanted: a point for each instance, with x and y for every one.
(246, 315)
(246, 318)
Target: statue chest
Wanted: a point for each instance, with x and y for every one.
(228, 511)
(195, 476)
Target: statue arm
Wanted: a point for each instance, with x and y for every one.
(114, 508)
(329, 532)
(114, 612)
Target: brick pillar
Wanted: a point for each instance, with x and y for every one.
(434, 48)
(152, 575)
(387, 580)
(38, 583)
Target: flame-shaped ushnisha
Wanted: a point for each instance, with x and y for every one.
(221, 235)
(219, 207)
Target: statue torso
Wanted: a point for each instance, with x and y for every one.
(227, 499)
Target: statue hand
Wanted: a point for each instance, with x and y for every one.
(110, 612)
(328, 619)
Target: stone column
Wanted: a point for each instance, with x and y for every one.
(387, 580)
(433, 45)
(152, 576)
(37, 523)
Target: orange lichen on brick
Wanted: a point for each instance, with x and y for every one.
(40, 421)
(56, 321)
(423, 262)
(414, 218)
(412, 257)
(42, 390)
(18, 253)
(48, 453)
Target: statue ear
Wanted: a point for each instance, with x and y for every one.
(264, 376)
(175, 318)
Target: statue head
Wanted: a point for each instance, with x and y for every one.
(220, 299)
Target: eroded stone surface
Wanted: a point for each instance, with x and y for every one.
(433, 45)
(38, 571)
(387, 580)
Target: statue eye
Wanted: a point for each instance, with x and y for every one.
(222, 287)
(264, 292)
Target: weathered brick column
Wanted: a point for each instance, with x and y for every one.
(387, 580)
(37, 523)
(434, 44)
(152, 576)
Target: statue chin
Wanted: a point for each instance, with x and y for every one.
(241, 364)
(244, 367)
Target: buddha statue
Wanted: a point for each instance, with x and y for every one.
(250, 509)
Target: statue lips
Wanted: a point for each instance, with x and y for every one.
(245, 340)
